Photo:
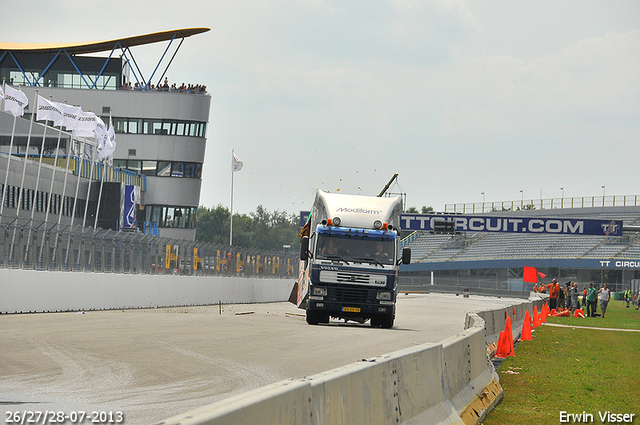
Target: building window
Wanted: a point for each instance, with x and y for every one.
(191, 170)
(177, 170)
(164, 168)
(120, 163)
(170, 216)
(135, 166)
(158, 127)
(149, 168)
(135, 126)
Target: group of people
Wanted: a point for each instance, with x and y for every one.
(569, 297)
(165, 86)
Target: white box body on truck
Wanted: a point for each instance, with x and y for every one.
(350, 259)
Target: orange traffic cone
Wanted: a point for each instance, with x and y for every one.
(536, 317)
(579, 313)
(526, 328)
(509, 338)
(500, 351)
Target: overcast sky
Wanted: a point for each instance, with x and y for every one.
(457, 97)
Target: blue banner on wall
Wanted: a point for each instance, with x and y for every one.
(503, 224)
(130, 210)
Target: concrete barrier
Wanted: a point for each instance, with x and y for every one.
(451, 382)
(28, 291)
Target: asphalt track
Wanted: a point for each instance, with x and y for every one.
(153, 364)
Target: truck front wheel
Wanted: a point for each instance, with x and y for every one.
(315, 317)
(383, 321)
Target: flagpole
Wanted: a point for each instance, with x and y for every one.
(231, 218)
(104, 172)
(26, 156)
(9, 156)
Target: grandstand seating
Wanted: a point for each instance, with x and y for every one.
(428, 247)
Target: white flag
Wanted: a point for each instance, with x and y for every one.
(1, 92)
(109, 144)
(85, 124)
(14, 101)
(100, 133)
(48, 111)
(237, 164)
(70, 115)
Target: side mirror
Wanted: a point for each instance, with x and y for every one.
(406, 255)
(304, 248)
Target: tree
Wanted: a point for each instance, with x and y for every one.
(258, 230)
(212, 225)
(414, 210)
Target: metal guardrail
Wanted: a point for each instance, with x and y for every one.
(31, 245)
(543, 204)
(83, 167)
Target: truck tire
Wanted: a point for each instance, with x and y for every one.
(316, 317)
(387, 321)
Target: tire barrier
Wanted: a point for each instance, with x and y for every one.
(451, 382)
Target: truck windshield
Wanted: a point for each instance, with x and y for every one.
(355, 250)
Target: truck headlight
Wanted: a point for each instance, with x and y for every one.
(383, 296)
(319, 291)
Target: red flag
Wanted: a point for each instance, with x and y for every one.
(542, 275)
(530, 275)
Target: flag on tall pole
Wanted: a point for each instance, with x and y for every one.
(49, 111)
(236, 165)
(70, 115)
(14, 101)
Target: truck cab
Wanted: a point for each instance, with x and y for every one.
(350, 260)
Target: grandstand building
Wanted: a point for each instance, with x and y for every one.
(496, 260)
(160, 131)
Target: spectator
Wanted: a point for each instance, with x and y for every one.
(561, 297)
(553, 294)
(573, 291)
(604, 294)
(592, 295)
(627, 296)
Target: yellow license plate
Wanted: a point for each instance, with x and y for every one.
(351, 309)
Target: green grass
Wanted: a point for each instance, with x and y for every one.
(617, 316)
(573, 370)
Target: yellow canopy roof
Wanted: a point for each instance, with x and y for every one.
(101, 46)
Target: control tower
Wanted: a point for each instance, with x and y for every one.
(160, 132)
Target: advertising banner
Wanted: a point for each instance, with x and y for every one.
(131, 203)
(505, 224)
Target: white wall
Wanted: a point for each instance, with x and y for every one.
(24, 291)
